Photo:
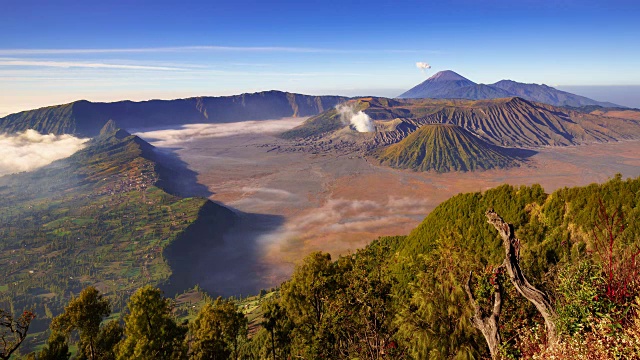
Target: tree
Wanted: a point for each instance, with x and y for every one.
(434, 323)
(108, 337)
(488, 324)
(150, 330)
(362, 308)
(537, 297)
(216, 331)
(305, 297)
(279, 326)
(56, 348)
(84, 314)
(13, 332)
(621, 262)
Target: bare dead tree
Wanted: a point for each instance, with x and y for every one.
(13, 332)
(512, 263)
(488, 325)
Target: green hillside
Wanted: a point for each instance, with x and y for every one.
(443, 148)
(407, 293)
(95, 218)
(404, 297)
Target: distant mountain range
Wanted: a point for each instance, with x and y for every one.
(406, 137)
(499, 118)
(450, 85)
(86, 118)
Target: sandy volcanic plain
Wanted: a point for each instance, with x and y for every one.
(294, 203)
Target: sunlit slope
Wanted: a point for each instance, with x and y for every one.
(553, 227)
(443, 148)
(516, 122)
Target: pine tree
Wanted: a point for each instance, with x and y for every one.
(217, 330)
(150, 330)
(56, 348)
(84, 314)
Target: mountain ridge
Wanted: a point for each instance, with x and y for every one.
(508, 122)
(85, 118)
(447, 84)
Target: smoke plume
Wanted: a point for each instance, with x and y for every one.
(30, 150)
(423, 65)
(360, 121)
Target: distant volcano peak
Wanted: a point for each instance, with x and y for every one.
(448, 84)
(448, 75)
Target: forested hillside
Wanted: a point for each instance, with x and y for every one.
(97, 218)
(427, 295)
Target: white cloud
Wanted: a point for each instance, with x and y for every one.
(423, 65)
(30, 150)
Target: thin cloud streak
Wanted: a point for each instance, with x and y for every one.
(76, 64)
(280, 49)
(181, 75)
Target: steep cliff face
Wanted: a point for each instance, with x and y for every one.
(86, 118)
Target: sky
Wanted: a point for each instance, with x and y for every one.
(54, 52)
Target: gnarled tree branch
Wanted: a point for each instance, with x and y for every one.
(13, 332)
(488, 325)
(512, 262)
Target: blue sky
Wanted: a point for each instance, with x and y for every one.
(59, 51)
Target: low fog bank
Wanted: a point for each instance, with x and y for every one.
(30, 150)
(185, 133)
(337, 225)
